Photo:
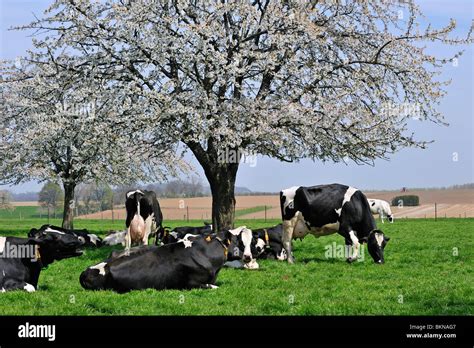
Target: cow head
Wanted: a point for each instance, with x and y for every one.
(390, 218)
(56, 245)
(376, 242)
(260, 246)
(243, 246)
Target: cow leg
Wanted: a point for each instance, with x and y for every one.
(15, 284)
(128, 241)
(351, 241)
(145, 238)
(287, 237)
(355, 246)
(381, 215)
(148, 226)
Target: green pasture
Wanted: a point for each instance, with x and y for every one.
(429, 270)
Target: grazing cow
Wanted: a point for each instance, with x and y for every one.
(21, 259)
(90, 240)
(381, 207)
(269, 243)
(193, 262)
(326, 209)
(144, 217)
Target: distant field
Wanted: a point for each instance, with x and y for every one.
(429, 270)
(451, 203)
(28, 212)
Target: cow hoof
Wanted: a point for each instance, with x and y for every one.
(291, 260)
(350, 260)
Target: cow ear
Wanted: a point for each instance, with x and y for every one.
(387, 238)
(236, 231)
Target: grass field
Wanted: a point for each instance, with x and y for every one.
(28, 212)
(423, 275)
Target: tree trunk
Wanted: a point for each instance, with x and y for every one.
(221, 176)
(68, 213)
(222, 182)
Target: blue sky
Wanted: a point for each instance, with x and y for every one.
(409, 167)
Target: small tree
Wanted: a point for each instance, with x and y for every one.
(51, 196)
(59, 122)
(6, 200)
(102, 194)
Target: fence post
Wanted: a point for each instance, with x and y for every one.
(436, 212)
(187, 212)
(265, 213)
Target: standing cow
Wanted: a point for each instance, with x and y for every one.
(326, 209)
(144, 217)
(378, 206)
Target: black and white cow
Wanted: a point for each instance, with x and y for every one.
(243, 246)
(326, 209)
(89, 239)
(21, 259)
(269, 243)
(179, 232)
(381, 207)
(243, 249)
(193, 262)
(144, 217)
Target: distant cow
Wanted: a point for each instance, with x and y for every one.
(193, 262)
(21, 259)
(89, 239)
(378, 206)
(326, 209)
(144, 217)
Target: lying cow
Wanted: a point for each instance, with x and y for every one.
(269, 243)
(144, 217)
(21, 259)
(179, 232)
(381, 207)
(115, 237)
(326, 209)
(207, 228)
(243, 249)
(193, 262)
(89, 239)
